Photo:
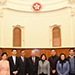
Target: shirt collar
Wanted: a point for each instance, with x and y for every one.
(13, 56)
(33, 58)
(70, 56)
(22, 57)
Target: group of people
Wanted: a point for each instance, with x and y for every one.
(55, 65)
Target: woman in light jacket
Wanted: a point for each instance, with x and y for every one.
(43, 66)
(4, 65)
(63, 65)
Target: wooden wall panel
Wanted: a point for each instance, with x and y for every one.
(38, 52)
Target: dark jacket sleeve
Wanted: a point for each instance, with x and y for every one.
(68, 59)
(27, 65)
(26, 70)
(18, 64)
(49, 62)
(10, 64)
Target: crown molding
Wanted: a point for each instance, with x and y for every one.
(26, 6)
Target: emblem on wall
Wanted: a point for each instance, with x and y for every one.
(37, 6)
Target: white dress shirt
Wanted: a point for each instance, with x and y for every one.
(33, 58)
(22, 58)
(14, 59)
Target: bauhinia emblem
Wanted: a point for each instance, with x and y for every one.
(37, 6)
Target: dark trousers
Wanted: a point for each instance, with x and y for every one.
(42, 74)
(72, 74)
(34, 73)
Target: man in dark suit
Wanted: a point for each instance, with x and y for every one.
(22, 62)
(14, 63)
(32, 64)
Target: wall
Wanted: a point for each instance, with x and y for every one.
(39, 51)
(36, 27)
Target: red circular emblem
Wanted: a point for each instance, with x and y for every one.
(36, 6)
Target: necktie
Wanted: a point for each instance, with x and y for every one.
(33, 62)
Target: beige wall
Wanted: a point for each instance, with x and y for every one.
(0, 30)
(36, 32)
(74, 29)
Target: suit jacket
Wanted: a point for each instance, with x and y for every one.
(53, 62)
(4, 68)
(32, 68)
(44, 67)
(68, 59)
(12, 66)
(22, 69)
(63, 70)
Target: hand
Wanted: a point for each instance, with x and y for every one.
(27, 74)
(53, 71)
(15, 72)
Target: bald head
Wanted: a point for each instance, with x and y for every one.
(33, 53)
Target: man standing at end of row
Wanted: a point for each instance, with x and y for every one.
(71, 59)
